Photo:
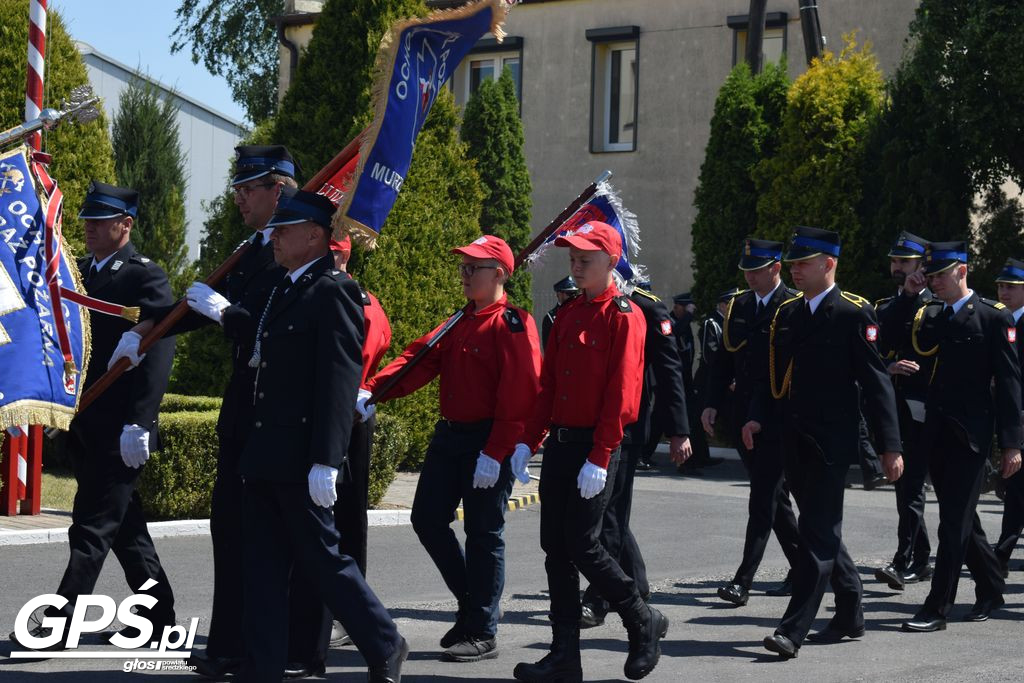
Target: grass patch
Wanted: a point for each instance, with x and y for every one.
(59, 487)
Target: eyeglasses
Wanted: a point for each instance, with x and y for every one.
(244, 191)
(467, 269)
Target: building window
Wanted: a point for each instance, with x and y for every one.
(614, 80)
(774, 45)
(486, 61)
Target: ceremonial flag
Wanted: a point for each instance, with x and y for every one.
(606, 207)
(416, 59)
(43, 341)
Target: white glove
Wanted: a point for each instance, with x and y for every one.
(134, 446)
(520, 456)
(205, 300)
(128, 348)
(322, 482)
(591, 480)
(487, 471)
(365, 411)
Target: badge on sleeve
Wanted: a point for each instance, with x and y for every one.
(666, 327)
(871, 333)
(1011, 335)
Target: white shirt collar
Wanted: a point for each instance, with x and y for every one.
(1017, 314)
(267, 232)
(960, 304)
(763, 300)
(100, 264)
(813, 303)
(297, 273)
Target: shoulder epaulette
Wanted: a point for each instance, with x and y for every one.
(796, 297)
(366, 296)
(644, 293)
(992, 303)
(139, 258)
(883, 300)
(513, 320)
(623, 303)
(855, 299)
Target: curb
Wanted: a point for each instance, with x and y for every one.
(514, 503)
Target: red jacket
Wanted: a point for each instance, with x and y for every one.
(593, 372)
(378, 336)
(489, 365)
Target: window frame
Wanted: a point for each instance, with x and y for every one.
(741, 22)
(489, 48)
(607, 40)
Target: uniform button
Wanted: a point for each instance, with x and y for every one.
(564, 397)
(303, 420)
(258, 424)
(266, 334)
(571, 345)
(567, 372)
(261, 394)
(263, 364)
(291, 327)
(476, 350)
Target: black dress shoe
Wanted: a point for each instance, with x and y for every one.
(892, 576)
(983, 608)
(734, 593)
(783, 589)
(391, 670)
(781, 645)
(215, 668)
(833, 633)
(917, 574)
(300, 670)
(872, 483)
(471, 650)
(925, 622)
(644, 466)
(591, 615)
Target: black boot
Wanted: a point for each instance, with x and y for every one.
(561, 665)
(646, 626)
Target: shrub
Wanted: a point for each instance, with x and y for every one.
(177, 481)
(177, 403)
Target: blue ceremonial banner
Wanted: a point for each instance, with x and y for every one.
(606, 207)
(417, 58)
(38, 383)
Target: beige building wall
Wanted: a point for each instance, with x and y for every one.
(300, 34)
(685, 53)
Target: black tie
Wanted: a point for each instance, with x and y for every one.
(947, 313)
(760, 308)
(92, 273)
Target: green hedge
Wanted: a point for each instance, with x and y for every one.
(179, 403)
(177, 482)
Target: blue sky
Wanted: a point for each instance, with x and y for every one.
(137, 33)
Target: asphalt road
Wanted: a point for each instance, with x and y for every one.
(691, 532)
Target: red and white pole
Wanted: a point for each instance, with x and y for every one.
(36, 66)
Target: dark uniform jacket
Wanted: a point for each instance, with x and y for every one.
(684, 342)
(308, 376)
(247, 287)
(743, 356)
(128, 279)
(973, 350)
(546, 323)
(663, 379)
(816, 363)
(895, 319)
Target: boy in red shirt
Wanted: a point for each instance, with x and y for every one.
(489, 365)
(590, 389)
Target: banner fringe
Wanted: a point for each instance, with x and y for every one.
(383, 68)
(35, 412)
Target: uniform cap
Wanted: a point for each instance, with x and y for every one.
(759, 253)
(109, 201)
(566, 284)
(256, 161)
(939, 256)
(489, 247)
(593, 236)
(342, 246)
(809, 242)
(908, 245)
(298, 206)
(1012, 273)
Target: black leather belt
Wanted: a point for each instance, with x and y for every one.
(572, 434)
(477, 426)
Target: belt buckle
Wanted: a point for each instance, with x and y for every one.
(561, 435)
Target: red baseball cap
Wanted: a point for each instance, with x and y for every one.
(489, 246)
(344, 245)
(594, 236)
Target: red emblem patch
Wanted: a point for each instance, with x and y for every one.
(666, 327)
(1011, 334)
(871, 333)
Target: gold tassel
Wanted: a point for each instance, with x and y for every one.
(70, 368)
(130, 313)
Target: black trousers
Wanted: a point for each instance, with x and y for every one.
(107, 516)
(287, 534)
(823, 559)
(616, 536)
(913, 547)
(569, 530)
(227, 522)
(1013, 518)
(768, 507)
(475, 574)
(957, 475)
